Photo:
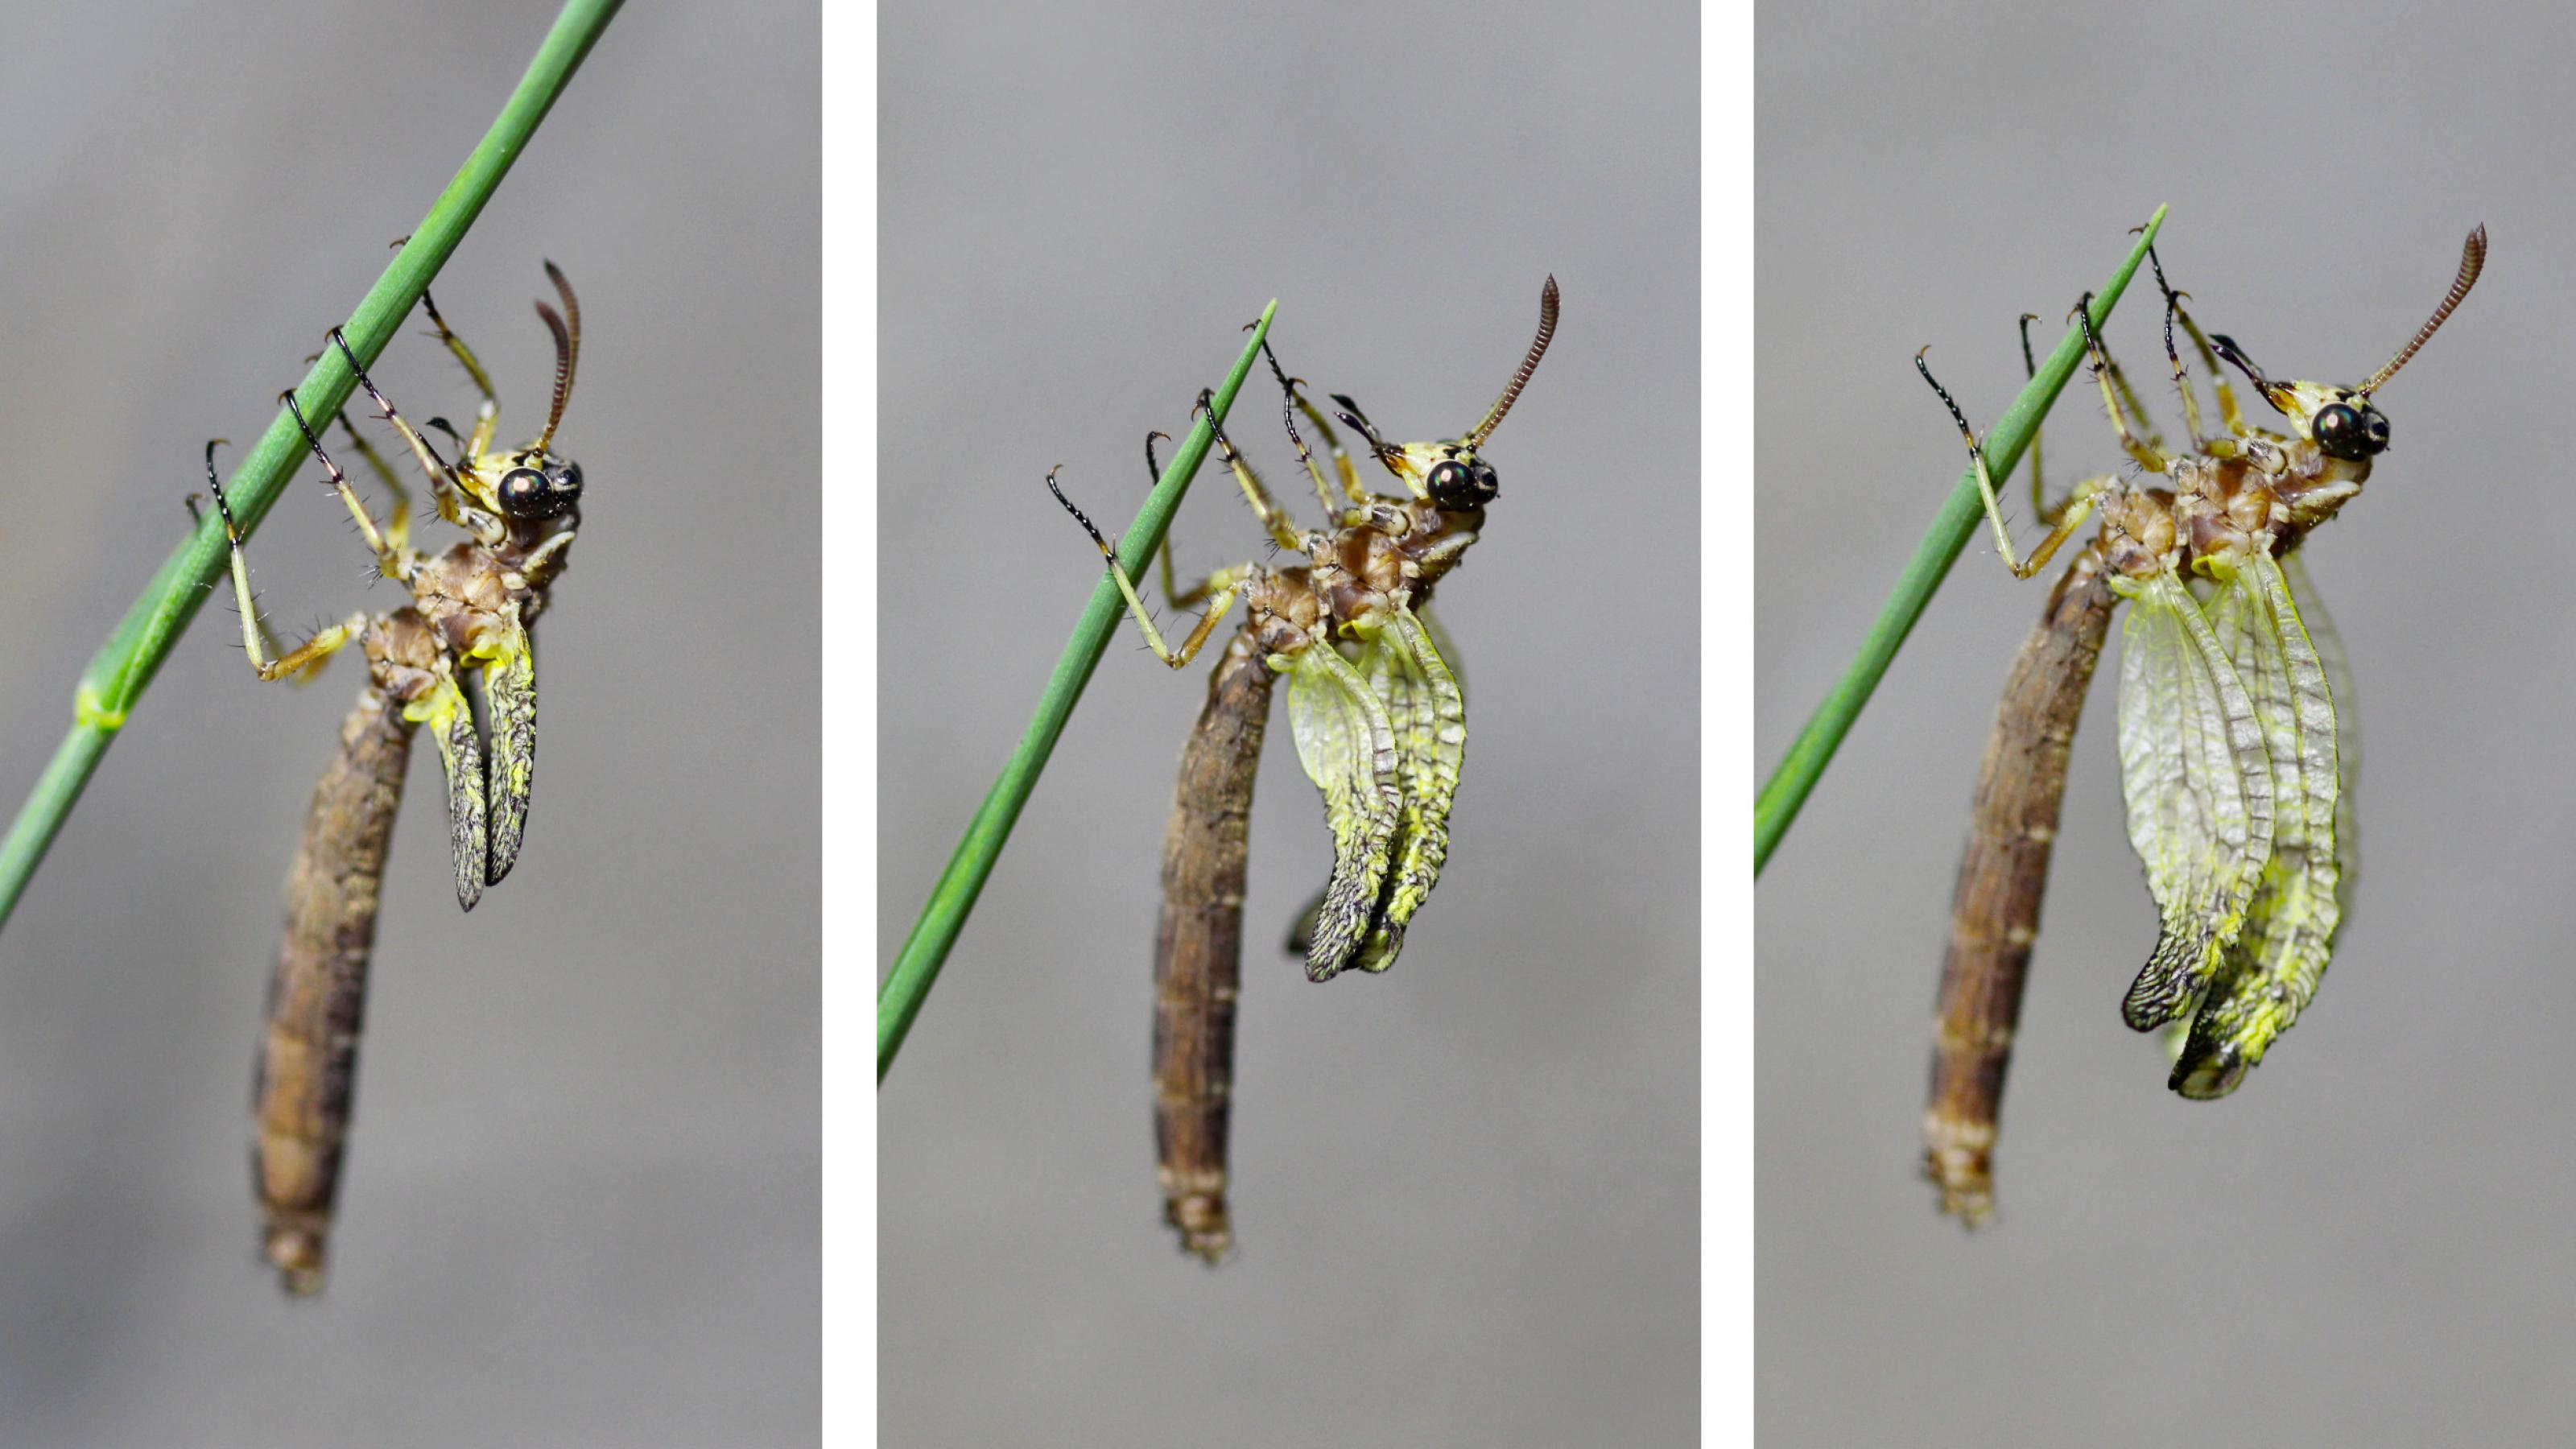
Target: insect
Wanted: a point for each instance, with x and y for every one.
(2237, 748)
(468, 620)
(1380, 724)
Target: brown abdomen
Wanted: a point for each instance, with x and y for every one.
(1995, 916)
(1198, 949)
(309, 1053)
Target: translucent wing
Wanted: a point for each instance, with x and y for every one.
(1429, 717)
(2199, 788)
(2271, 971)
(1347, 747)
(2321, 632)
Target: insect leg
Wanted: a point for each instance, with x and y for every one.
(2038, 493)
(2228, 415)
(1220, 586)
(1272, 519)
(487, 417)
(2002, 875)
(307, 1070)
(2072, 513)
(1198, 946)
(442, 481)
(308, 655)
(2115, 385)
(1291, 403)
(389, 559)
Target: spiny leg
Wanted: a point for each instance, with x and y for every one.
(1222, 585)
(398, 527)
(1292, 402)
(1273, 521)
(487, 417)
(1154, 479)
(389, 559)
(2030, 369)
(2228, 416)
(442, 484)
(2078, 505)
(2104, 370)
(306, 655)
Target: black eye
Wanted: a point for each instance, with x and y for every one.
(527, 493)
(1458, 486)
(2344, 431)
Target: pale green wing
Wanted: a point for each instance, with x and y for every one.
(1429, 716)
(1347, 747)
(2271, 972)
(450, 718)
(2329, 645)
(2199, 789)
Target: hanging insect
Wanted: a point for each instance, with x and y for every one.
(1380, 725)
(2237, 745)
(470, 614)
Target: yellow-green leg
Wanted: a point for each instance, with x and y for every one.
(2105, 371)
(2078, 505)
(307, 655)
(1219, 587)
(487, 418)
(442, 481)
(1273, 520)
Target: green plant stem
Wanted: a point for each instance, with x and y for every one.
(125, 664)
(916, 967)
(1814, 748)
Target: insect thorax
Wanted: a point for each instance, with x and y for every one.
(2260, 494)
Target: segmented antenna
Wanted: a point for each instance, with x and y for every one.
(1529, 364)
(2473, 259)
(567, 331)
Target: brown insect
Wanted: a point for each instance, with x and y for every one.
(468, 621)
(1380, 723)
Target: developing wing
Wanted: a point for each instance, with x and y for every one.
(2199, 786)
(2271, 971)
(1347, 746)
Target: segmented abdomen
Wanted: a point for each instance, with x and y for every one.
(1198, 947)
(2002, 873)
(308, 1055)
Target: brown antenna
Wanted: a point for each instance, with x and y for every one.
(567, 331)
(1529, 364)
(2473, 258)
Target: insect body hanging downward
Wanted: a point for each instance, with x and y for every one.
(2236, 739)
(1380, 726)
(468, 622)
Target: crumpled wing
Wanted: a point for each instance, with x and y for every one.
(450, 718)
(1347, 747)
(2272, 970)
(1429, 715)
(510, 695)
(2199, 786)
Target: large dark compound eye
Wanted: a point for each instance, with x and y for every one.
(1457, 486)
(528, 493)
(2345, 431)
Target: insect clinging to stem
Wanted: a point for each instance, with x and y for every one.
(1380, 725)
(466, 629)
(2237, 744)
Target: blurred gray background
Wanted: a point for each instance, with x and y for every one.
(1466, 1193)
(2368, 1242)
(582, 1198)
